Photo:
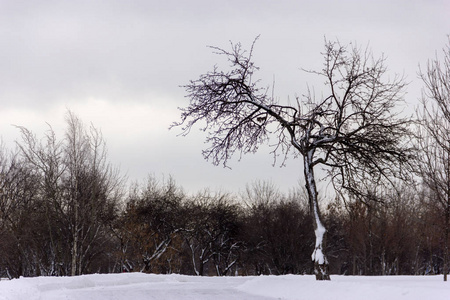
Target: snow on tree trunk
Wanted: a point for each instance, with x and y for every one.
(321, 268)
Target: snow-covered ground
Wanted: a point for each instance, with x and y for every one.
(138, 286)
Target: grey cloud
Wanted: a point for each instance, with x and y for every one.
(63, 53)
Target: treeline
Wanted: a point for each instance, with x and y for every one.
(64, 210)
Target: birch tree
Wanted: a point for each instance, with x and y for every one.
(354, 131)
(92, 191)
(79, 191)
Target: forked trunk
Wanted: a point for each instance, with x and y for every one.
(321, 268)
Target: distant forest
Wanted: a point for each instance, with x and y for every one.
(65, 210)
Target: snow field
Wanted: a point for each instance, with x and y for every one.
(138, 286)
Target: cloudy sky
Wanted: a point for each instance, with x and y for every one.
(120, 65)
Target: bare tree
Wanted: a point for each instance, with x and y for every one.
(45, 158)
(153, 221)
(211, 233)
(93, 189)
(18, 191)
(354, 131)
(435, 138)
(78, 189)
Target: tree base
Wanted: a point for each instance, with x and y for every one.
(322, 271)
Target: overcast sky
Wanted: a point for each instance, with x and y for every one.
(120, 64)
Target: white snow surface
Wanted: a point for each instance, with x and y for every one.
(138, 286)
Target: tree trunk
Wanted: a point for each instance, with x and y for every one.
(321, 268)
(75, 244)
(446, 235)
(370, 270)
(447, 219)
